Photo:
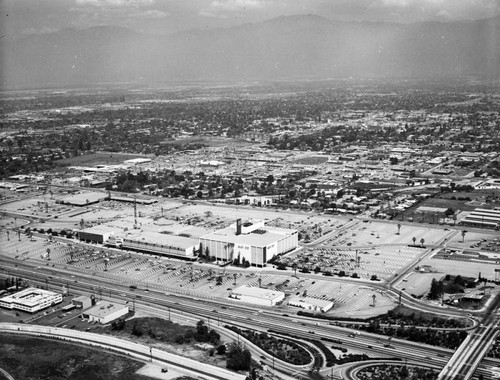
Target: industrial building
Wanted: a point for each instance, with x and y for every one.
(482, 218)
(309, 303)
(82, 302)
(257, 296)
(31, 300)
(252, 242)
(105, 312)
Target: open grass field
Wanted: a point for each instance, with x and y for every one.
(55, 360)
(99, 158)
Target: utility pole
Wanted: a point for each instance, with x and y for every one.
(135, 213)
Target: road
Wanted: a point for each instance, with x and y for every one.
(182, 364)
(242, 316)
(466, 359)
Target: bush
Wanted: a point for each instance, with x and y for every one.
(221, 350)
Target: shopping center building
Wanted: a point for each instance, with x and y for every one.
(253, 242)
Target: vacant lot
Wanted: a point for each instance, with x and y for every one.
(54, 360)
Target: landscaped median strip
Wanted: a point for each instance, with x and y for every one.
(189, 366)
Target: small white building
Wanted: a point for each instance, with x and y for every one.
(257, 296)
(31, 300)
(104, 312)
(309, 303)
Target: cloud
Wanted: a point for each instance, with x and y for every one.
(115, 3)
(396, 3)
(444, 14)
(152, 14)
(220, 8)
(410, 3)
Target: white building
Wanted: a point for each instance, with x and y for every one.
(250, 241)
(31, 300)
(162, 244)
(104, 312)
(309, 303)
(257, 296)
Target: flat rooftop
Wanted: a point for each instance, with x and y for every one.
(251, 291)
(29, 297)
(161, 239)
(101, 229)
(82, 198)
(258, 238)
(104, 308)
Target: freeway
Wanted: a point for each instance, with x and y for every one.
(467, 358)
(140, 351)
(244, 316)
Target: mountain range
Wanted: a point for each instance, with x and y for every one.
(283, 48)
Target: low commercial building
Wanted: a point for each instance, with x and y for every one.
(252, 242)
(309, 303)
(482, 218)
(162, 244)
(105, 312)
(31, 300)
(257, 296)
(97, 234)
(83, 199)
(82, 302)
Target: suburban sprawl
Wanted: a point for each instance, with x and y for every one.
(341, 229)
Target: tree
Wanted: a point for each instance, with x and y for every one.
(221, 350)
(463, 235)
(399, 227)
(422, 241)
(436, 289)
(414, 239)
(238, 359)
(201, 334)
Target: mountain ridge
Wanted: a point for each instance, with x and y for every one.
(297, 46)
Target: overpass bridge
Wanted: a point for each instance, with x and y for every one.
(474, 348)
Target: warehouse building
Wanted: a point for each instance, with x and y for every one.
(257, 296)
(31, 300)
(105, 312)
(309, 303)
(251, 242)
(482, 218)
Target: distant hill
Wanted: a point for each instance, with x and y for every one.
(289, 47)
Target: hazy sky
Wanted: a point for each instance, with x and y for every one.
(23, 17)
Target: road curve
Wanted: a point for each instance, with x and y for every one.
(140, 351)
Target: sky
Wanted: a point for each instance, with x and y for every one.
(24, 17)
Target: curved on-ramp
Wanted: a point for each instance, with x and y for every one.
(139, 351)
